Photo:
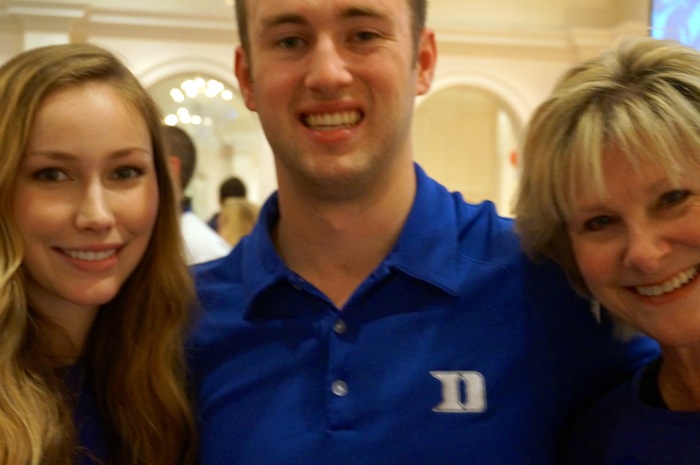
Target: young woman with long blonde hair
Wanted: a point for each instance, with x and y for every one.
(94, 290)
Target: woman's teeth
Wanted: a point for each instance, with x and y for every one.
(90, 256)
(680, 280)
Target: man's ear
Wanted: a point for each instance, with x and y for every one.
(426, 60)
(245, 80)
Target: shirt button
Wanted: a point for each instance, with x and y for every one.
(339, 388)
(340, 327)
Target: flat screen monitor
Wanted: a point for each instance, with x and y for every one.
(676, 19)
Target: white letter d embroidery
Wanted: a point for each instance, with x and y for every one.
(462, 391)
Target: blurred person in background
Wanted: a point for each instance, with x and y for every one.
(236, 218)
(201, 243)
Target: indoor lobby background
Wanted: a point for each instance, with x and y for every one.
(498, 59)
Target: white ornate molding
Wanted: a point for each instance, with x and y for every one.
(546, 44)
(46, 16)
(187, 64)
(158, 20)
(44, 23)
(34, 17)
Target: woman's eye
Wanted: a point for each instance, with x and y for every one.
(674, 197)
(598, 223)
(127, 172)
(50, 175)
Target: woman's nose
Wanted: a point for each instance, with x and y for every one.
(94, 212)
(646, 247)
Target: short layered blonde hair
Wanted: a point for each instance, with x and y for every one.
(641, 99)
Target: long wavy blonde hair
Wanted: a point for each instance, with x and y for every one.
(133, 358)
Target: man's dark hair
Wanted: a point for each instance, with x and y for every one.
(419, 9)
(179, 144)
(232, 187)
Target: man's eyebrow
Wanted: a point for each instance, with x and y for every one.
(355, 12)
(285, 18)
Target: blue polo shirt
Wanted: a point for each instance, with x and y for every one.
(455, 350)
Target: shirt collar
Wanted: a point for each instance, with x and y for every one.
(427, 248)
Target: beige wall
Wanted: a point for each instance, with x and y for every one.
(499, 57)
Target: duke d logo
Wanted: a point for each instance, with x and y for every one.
(462, 391)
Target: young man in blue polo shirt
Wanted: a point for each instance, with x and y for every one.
(372, 317)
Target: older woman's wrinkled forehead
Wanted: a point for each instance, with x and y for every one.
(643, 128)
(589, 172)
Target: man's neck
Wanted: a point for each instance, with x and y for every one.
(336, 245)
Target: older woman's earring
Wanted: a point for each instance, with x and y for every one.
(595, 309)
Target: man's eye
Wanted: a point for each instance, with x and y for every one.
(50, 175)
(290, 42)
(366, 36)
(598, 223)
